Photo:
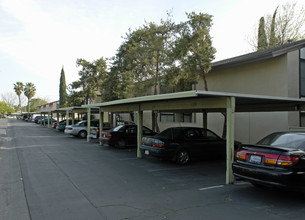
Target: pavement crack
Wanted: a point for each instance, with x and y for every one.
(12, 182)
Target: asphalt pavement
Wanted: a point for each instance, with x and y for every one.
(45, 174)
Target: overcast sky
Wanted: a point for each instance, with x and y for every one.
(38, 37)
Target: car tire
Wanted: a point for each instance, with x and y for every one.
(82, 134)
(182, 157)
(120, 143)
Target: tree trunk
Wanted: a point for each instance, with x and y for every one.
(19, 103)
(204, 80)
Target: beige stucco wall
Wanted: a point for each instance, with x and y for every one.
(261, 78)
(274, 77)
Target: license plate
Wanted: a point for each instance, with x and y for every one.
(146, 152)
(255, 159)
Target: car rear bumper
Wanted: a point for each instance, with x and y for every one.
(156, 152)
(280, 178)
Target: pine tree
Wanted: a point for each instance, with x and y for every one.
(62, 89)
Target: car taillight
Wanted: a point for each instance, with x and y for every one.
(241, 154)
(158, 143)
(105, 134)
(69, 128)
(285, 160)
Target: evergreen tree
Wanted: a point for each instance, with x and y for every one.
(273, 41)
(18, 87)
(91, 77)
(262, 38)
(62, 89)
(194, 48)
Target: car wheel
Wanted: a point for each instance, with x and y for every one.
(183, 157)
(82, 134)
(120, 143)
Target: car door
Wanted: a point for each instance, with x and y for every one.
(212, 145)
(193, 141)
(130, 135)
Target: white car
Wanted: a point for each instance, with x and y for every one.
(80, 128)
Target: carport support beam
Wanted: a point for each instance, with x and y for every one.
(101, 128)
(88, 124)
(140, 132)
(67, 117)
(230, 138)
(205, 119)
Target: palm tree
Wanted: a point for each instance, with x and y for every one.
(29, 92)
(18, 87)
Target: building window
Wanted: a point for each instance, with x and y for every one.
(187, 117)
(302, 71)
(167, 117)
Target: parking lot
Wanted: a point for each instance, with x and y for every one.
(46, 174)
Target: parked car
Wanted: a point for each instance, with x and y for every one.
(36, 119)
(182, 144)
(46, 121)
(125, 123)
(95, 131)
(278, 160)
(56, 123)
(62, 125)
(80, 128)
(123, 135)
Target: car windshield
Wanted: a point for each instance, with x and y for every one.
(287, 140)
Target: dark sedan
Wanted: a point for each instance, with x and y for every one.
(278, 160)
(123, 136)
(182, 144)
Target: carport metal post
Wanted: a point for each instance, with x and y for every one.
(139, 131)
(101, 127)
(48, 120)
(205, 119)
(44, 119)
(88, 124)
(230, 138)
(67, 117)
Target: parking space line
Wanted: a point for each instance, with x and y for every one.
(211, 187)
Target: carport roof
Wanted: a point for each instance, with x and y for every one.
(197, 100)
(76, 109)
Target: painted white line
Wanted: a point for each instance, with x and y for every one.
(211, 187)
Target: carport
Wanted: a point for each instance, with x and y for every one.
(204, 102)
(78, 110)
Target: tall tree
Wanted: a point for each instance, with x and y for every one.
(62, 89)
(29, 92)
(18, 87)
(195, 47)
(91, 76)
(273, 39)
(262, 38)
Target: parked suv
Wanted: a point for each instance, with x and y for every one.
(80, 128)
